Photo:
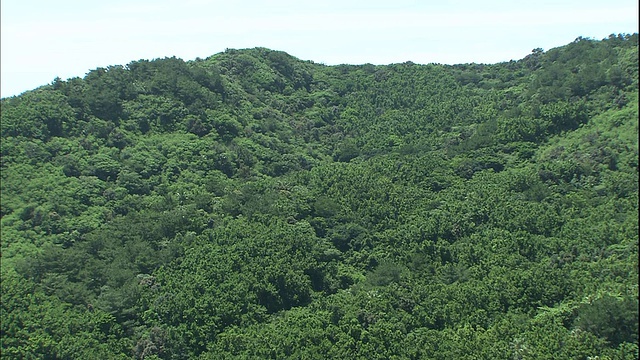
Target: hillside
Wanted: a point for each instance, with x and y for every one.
(253, 205)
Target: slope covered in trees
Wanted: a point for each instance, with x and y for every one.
(252, 205)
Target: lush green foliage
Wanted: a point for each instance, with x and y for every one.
(252, 205)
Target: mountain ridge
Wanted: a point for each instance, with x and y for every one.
(253, 205)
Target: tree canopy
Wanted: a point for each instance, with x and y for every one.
(253, 205)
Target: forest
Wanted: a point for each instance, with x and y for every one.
(252, 205)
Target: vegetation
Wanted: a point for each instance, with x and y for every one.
(252, 205)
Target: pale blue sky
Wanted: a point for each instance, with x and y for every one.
(67, 38)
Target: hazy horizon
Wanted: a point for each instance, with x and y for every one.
(43, 40)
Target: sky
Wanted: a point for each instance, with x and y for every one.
(44, 39)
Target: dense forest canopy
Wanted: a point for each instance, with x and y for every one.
(253, 205)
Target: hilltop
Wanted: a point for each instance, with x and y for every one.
(253, 205)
